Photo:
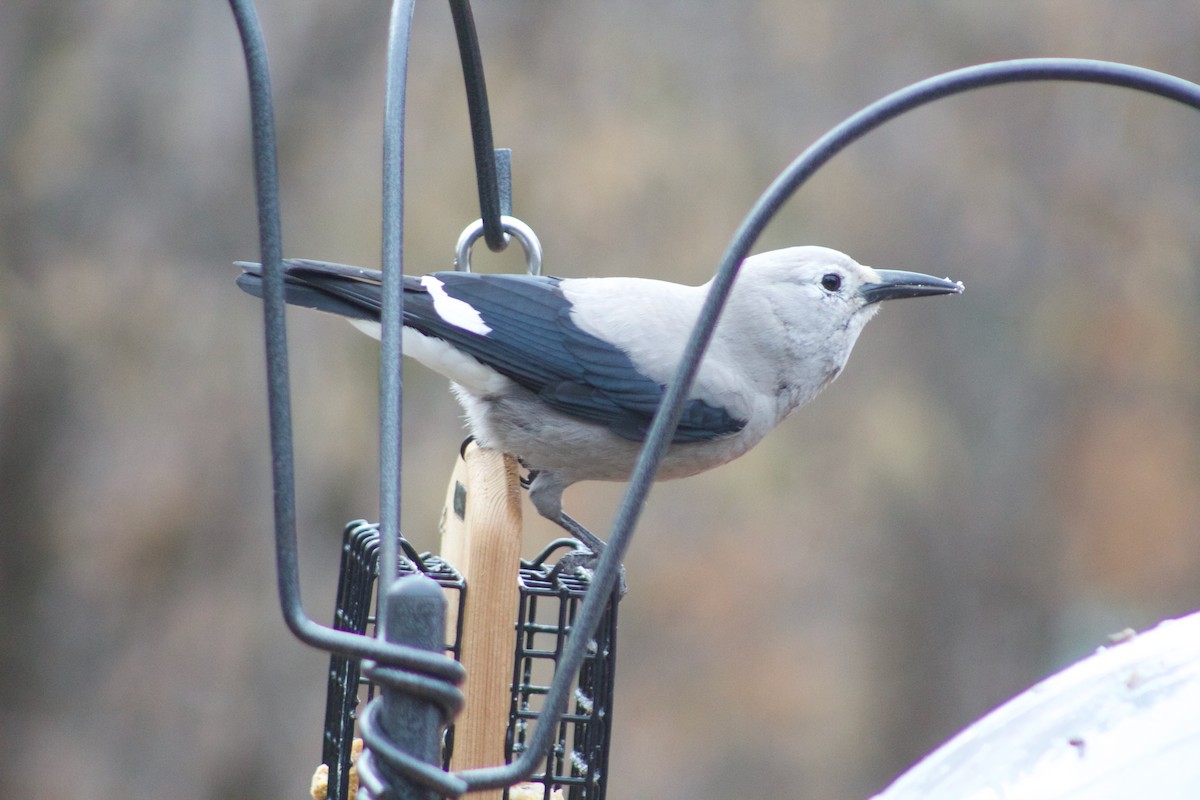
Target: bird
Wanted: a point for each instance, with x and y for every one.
(566, 373)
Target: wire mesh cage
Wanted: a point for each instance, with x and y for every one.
(347, 689)
(577, 762)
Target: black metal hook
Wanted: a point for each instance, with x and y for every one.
(492, 167)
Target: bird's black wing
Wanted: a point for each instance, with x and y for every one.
(532, 341)
(336, 288)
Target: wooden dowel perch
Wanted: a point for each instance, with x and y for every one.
(481, 536)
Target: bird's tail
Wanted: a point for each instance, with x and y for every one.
(350, 291)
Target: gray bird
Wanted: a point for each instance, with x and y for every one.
(566, 373)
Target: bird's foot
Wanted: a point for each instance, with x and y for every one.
(591, 547)
(583, 562)
(586, 557)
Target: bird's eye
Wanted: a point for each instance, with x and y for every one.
(831, 282)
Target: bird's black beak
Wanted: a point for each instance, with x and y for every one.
(896, 283)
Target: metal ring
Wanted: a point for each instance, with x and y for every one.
(510, 225)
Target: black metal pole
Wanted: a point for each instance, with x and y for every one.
(406, 717)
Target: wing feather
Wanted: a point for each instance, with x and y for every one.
(532, 341)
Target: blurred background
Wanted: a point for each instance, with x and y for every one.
(996, 483)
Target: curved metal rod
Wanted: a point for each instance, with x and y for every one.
(486, 170)
(667, 417)
(380, 742)
(266, 176)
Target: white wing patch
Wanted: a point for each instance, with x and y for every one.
(372, 329)
(458, 313)
(470, 373)
(441, 357)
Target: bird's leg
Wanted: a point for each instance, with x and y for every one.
(581, 534)
(591, 546)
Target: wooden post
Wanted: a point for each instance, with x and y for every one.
(481, 537)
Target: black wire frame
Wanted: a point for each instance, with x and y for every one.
(357, 579)
(577, 764)
(435, 669)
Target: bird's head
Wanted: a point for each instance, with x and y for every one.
(820, 300)
(827, 291)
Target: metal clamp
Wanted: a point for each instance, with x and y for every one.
(511, 225)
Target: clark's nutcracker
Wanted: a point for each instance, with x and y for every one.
(566, 373)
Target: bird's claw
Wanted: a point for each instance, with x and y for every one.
(583, 562)
(586, 556)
